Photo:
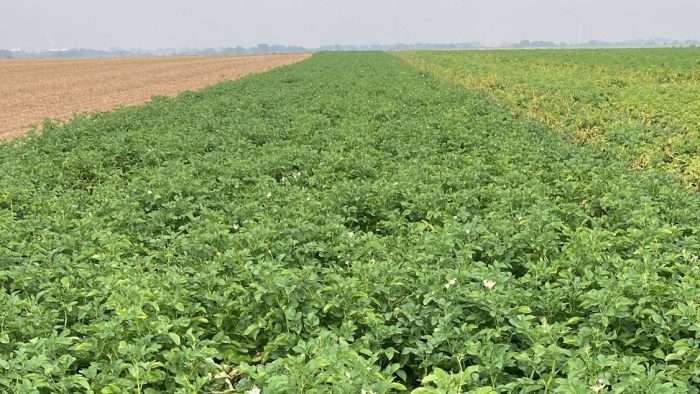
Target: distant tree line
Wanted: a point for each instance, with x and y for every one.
(74, 53)
(115, 52)
(400, 47)
(658, 42)
(265, 49)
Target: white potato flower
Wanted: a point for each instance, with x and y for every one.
(599, 386)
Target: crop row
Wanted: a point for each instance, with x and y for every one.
(638, 103)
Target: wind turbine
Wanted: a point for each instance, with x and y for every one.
(580, 31)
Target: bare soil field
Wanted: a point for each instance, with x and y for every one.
(31, 90)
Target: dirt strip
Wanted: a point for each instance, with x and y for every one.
(31, 90)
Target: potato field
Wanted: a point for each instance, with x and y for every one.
(367, 222)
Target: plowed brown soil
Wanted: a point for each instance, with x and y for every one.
(31, 90)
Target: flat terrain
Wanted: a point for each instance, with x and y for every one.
(32, 90)
(639, 103)
(342, 225)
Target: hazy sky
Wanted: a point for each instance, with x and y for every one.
(150, 24)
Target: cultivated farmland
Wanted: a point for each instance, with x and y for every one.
(32, 90)
(643, 104)
(346, 224)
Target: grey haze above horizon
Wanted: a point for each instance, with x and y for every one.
(152, 24)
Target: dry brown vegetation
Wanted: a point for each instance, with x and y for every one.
(31, 90)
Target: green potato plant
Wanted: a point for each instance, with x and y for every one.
(345, 224)
(638, 103)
